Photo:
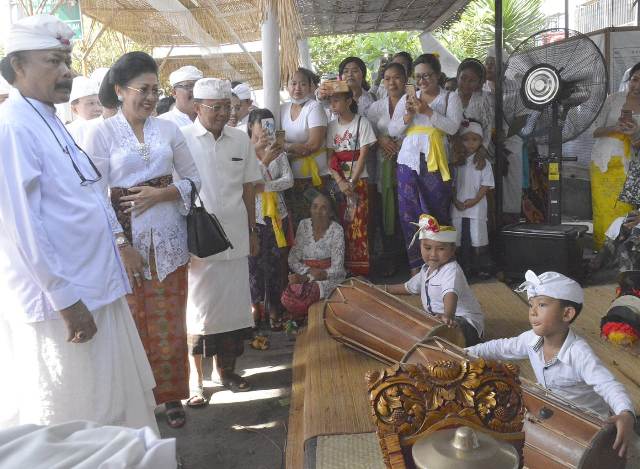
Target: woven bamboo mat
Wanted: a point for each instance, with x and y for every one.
(349, 452)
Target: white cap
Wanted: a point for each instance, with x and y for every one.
(5, 87)
(212, 88)
(242, 91)
(429, 228)
(186, 73)
(98, 75)
(553, 285)
(82, 87)
(39, 32)
(471, 127)
(491, 52)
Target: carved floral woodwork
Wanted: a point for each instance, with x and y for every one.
(409, 401)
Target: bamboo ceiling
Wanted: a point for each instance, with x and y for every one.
(323, 17)
(205, 23)
(214, 66)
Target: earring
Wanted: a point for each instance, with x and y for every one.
(119, 98)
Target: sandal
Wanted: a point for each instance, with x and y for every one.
(260, 342)
(234, 382)
(197, 398)
(275, 322)
(174, 412)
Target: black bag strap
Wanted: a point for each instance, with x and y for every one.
(194, 195)
(357, 148)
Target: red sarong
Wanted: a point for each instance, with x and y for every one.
(297, 298)
(355, 232)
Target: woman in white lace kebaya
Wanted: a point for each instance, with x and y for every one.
(138, 156)
(316, 260)
(266, 273)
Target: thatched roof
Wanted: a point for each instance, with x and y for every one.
(206, 23)
(216, 66)
(323, 17)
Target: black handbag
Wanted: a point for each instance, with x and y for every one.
(205, 235)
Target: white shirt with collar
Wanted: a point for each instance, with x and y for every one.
(56, 235)
(225, 165)
(575, 374)
(448, 278)
(467, 180)
(176, 116)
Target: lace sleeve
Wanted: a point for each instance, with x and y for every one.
(336, 271)
(284, 180)
(295, 254)
(97, 148)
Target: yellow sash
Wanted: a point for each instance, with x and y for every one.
(625, 139)
(270, 209)
(437, 157)
(310, 167)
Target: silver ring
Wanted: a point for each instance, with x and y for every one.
(136, 275)
(81, 335)
(133, 204)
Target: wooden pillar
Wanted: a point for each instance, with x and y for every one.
(499, 111)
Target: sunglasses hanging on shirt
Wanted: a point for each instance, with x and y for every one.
(83, 180)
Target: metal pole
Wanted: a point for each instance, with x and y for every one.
(498, 113)
(566, 18)
(304, 53)
(271, 62)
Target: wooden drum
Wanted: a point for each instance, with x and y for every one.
(372, 321)
(557, 435)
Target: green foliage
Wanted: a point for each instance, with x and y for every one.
(473, 33)
(328, 51)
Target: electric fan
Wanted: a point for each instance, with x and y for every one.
(554, 84)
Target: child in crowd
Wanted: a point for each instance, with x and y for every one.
(562, 361)
(441, 282)
(349, 140)
(473, 179)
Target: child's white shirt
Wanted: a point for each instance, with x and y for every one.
(447, 278)
(468, 180)
(576, 374)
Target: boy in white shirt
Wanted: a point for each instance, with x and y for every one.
(562, 361)
(473, 179)
(441, 282)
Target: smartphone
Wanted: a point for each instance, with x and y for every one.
(410, 90)
(269, 126)
(280, 138)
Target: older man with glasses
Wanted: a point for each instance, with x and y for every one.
(182, 81)
(71, 347)
(219, 303)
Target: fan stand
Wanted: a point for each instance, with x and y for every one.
(554, 161)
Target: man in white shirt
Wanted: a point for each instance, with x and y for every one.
(562, 361)
(182, 81)
(70, 350)
(85, 106)
(219, 304)
(243, 92)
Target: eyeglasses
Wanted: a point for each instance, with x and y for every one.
(424, 76)
(185, 87)
(218, 107)
(146, 91)
(65, 149)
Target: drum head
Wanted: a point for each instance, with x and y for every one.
(452, 334)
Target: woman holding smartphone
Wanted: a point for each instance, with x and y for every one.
(424, 117)
(616, 133)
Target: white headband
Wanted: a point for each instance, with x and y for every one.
(83, 87)
(212, 88)
(186, 73)
(428, 228)
(39, 32)
(242, 91)
(471, 127)
(553, 285)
